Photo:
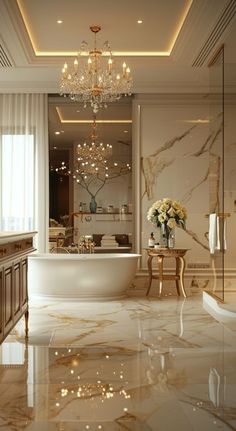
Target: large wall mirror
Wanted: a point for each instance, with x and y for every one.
(90, 195)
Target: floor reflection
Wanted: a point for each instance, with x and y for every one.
(153, 368)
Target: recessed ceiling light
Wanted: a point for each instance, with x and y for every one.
(55, 148)
(62, 131)
(57, 133)
(126, 131)
(140, 21)
(59, 21)
(78, 111)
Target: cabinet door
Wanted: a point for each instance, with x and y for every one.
(24, 289)
(17, 291)
(1, 305)
(8, 299)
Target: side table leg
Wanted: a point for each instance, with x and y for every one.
(177, 274)
(160, 268)
(149, 263)
(182, 260)
(26, 323)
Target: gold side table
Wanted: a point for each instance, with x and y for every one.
(160, 254)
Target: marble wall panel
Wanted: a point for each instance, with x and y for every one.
(176, 147)
(230, 179)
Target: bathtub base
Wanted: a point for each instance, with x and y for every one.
(76, 278)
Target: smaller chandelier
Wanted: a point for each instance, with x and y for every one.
(93, 82)
(91, 156)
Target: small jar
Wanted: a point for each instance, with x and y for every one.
(151, 241)
(110, 209)
(124, 209)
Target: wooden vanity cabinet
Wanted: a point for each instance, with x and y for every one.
(13, 283)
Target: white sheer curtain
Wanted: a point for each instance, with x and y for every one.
(24, 164)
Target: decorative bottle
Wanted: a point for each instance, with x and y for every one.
(151, 241)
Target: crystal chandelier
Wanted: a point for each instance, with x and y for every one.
(91, 156)
(93, 82)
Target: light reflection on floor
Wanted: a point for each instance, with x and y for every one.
(138, 364)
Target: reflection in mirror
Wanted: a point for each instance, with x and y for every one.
(90, 174)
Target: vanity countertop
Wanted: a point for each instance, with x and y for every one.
(11, 236)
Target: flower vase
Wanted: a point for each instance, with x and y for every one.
(93, 205)
(167, 236)
(171, 238)
(163, 236)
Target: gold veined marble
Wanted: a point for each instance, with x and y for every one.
(138, 364)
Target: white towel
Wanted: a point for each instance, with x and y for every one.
(109, 244)
(217, 233)
(214, 231)
(108, 237)
(105, 244)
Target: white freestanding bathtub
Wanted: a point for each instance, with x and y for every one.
(74, 277)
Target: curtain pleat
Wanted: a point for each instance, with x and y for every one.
(24, 196)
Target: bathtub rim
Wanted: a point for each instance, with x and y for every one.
(83, 256)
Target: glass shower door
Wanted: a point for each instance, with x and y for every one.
(217, 216)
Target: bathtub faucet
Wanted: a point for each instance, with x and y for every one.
(86, 244)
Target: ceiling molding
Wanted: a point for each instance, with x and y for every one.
(214, 37)
(19, 27)
(5, 58)
(86, 121)
(35, 56)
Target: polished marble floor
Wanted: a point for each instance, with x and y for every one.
(141, 364)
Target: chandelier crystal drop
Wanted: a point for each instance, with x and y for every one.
(95, 81)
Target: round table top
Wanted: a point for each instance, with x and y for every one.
(165, 251)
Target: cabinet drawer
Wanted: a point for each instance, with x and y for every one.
(16, 247)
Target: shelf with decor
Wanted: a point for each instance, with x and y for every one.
(115, 216)
(102, 213)
(103, 223)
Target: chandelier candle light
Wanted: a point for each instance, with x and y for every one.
(167, 214)
(92, 82)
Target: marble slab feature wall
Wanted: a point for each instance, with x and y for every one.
(230, 179)
(176, 145)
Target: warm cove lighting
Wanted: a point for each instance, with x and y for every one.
(70, 121)
(156, 53)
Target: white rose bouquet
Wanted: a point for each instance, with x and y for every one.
(168, 213)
